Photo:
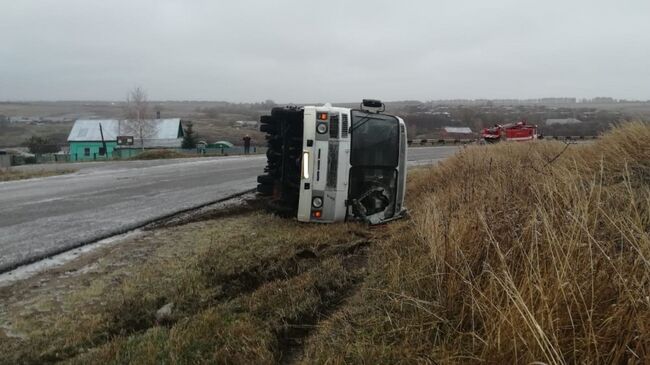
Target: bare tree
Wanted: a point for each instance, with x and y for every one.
(137, 119)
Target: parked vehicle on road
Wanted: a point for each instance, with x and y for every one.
(328, 164)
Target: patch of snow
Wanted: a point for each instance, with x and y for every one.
(30, 270)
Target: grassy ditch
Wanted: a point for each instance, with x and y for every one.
(242, 289)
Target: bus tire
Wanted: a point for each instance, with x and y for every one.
(265, 179)
(268, 128)
(265, 189)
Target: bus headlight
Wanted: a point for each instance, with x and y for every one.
(317, 202)
(321, 128)
(305, 165)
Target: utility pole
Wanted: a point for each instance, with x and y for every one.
(101, 132)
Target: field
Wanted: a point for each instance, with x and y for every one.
(15, 135)
(514, 253)
(213, 121)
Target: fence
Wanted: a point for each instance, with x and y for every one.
(443, 142)
(126, 153)
(236, 150)
(17, 160)
(571, 138)
(118, 154)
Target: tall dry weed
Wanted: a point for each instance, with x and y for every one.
(515, 253)
(540, 252)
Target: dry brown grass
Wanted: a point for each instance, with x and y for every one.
(516, 253)
(160, 154)
(242, 288)
(11, 175)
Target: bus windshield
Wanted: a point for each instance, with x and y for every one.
(375, 140)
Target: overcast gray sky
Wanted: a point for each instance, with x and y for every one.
(303, 50)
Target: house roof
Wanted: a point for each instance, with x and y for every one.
(461, 130)
(88, 130)
(563, 121)
(159, 132)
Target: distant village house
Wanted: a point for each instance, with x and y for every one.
(563, 121)
(246, 124)
(89, 136)
(457, 133)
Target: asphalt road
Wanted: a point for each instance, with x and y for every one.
(45, 216)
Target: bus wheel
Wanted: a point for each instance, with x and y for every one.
(265, 189)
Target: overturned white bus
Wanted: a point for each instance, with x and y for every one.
(329, 164)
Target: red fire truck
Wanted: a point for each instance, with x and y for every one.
(520, 131)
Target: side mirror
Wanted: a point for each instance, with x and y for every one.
(373, 103)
